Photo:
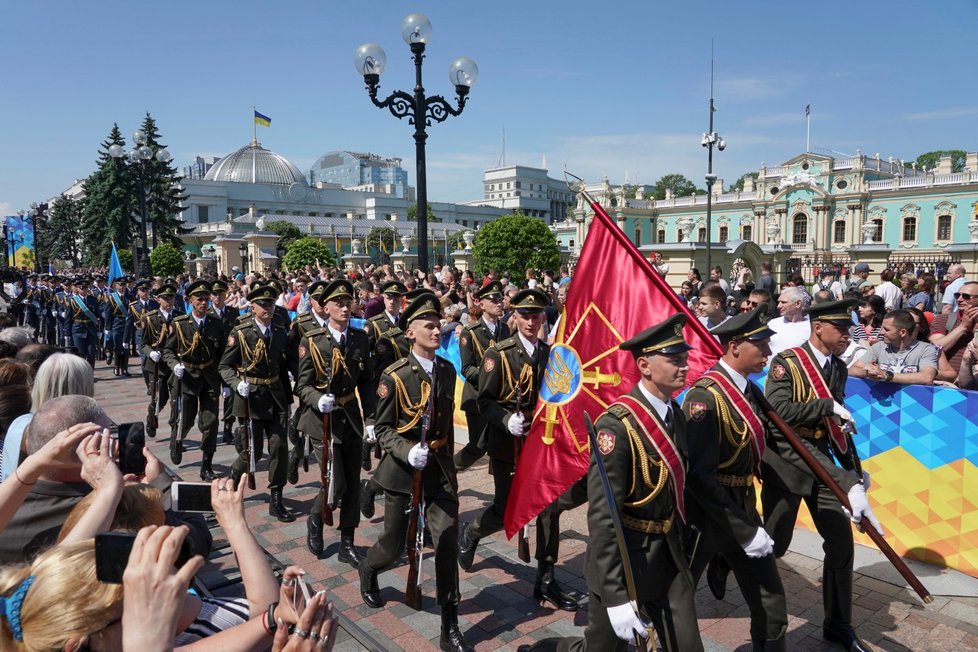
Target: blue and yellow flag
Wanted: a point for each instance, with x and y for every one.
(262, 120)
(115, 267)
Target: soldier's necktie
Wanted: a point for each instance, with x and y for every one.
(827, 369)
(668, 418)
(343, 343)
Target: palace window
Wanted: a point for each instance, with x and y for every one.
(799, 229)
(203, 214)
(701, 234)
(724, 234)
(839, 231)
(909, 229)
(747, 232)
(944, 227)
(878, 236)
(660, 236)
(638, 236)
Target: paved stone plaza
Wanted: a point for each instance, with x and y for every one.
(498, 611)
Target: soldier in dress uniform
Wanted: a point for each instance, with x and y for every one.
(807, 387)
(192, 350)
(393, 295)
(32, 303)
(83, 321)
(509, 384)
(408, 389)
(726, 442)
(302, 326)
(477, 337)
(115, 316)
(139, 307)
(642, 442)
(228, 318)
(100, 292)
(254, 364)
(333, 365)
(61, 297)
(48, 315)
(155, 329)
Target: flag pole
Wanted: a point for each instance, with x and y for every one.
(254, 127)
(808, 128)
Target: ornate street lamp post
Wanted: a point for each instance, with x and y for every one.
(420, 110)
(708, 141)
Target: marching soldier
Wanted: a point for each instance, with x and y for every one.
(509, 384)
(115, 316)
(304, 324)
(393, 294)
(193, 347)
(408, 389)
(155, 329)
(61, 299)
(227, 318)
(100, 292)
(726, 442)
(32, 302)
(641, 439)
(139, 308)
(476, 339)
(807, 387)
(333, 365)
(48, 315)
(254, 364)
(82, 320)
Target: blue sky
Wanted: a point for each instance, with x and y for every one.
(604, 89)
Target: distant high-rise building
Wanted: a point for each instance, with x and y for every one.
(356, 170)
(528, 190)
(199, 168)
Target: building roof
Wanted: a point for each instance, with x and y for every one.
(255, 164)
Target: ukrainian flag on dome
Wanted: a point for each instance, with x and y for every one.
(262, 120)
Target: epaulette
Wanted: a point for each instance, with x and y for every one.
(618, 411)
(238, 327)
(304, 317)
(150, 313)
(508, 343)
(241, 318)
(132, 303)
(378, 317)
(704, 382)
(392, 332)
(395, 366)
(472, 326)
(181, 317)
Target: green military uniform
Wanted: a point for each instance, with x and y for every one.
(155, 328)
(509, 383)
(228, 318)
(337, 367)
(256, 354)
(197, 347)
(477, 338)
(788, 480)
(406, 393)
(377, 327)
(723, 459)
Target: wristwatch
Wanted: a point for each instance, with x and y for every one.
(889, 376)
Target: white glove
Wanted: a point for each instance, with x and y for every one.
(861, 508)
(178, 370)
(761, 545)
(867, 481)
(371, 435)
(155, 356)
(515, 424)
(418, 456)
(326, 403)
(244, 388)
(107, 333)
(626, 623)
(63, 314)
(840, 411)
(225, 392)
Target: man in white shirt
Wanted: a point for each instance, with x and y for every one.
(827, 282)
(792, 328)
(892, 296)
(956, 274)
(716, 275)
(710, 306)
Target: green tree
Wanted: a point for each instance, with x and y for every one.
(110, 199)
(515, 243)
(60, 234)
(125, 259)
(738, 185)
(929, 159)
(287, 233)
(680, 185)
(166, 260)
(384, 240)
(628, 191)
(412, 214)
(164, 195)
(306, 251)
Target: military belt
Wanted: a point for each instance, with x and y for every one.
(254, 380)
(647, 527)
(204, 365)
(810, 433)
(735, 480)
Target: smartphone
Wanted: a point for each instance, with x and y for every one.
(301, 596)
(191, 497)
(132, 440)
(111, 555)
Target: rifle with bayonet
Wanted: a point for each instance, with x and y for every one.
(248, 443)
(153, 419)
(523, 542)
(326, 463)
(626, 562)
(416, 518)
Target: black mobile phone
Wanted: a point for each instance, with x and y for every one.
(190, 497)
(111, 555)
(132, 440)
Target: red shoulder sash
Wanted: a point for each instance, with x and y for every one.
(740, 405)
(814, 376)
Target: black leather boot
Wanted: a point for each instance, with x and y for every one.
(844, 635)
(206, 472)
(366, 499)
(369, 589)
(466, 547)
(716, 576)
(314, 534)
(365, 458)
(451, 636)
(227, 437)
(348, 552)
(547, 589)
(277, 509)
(295, 456)
(176, 449)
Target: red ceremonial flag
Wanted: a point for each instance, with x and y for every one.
(615, 295)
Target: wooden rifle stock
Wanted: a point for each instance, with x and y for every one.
(825, 478)
(326, 472)
(153, 418)
(248, 444)
(523, 538)
(175, 430)
(416, 518)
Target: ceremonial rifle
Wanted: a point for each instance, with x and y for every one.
(326, 463)
(825, 478)
(153, 420)
(249, 444)
(523, 542)
(178, 406)
(626, 562)
(416, 517)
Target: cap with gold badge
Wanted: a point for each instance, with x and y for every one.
(834, 312)
(490, 290)
(529, 301)
(198, 287)
(338, 289)
(750, 326)
(665, 338)
(393, 289)
(263, 293)
(424, 306)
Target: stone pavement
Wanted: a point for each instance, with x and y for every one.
(498, 611)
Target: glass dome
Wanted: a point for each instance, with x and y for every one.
(255, 164)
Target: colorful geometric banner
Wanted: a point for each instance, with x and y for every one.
(20, 241)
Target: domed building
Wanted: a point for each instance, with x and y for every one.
(255, 164)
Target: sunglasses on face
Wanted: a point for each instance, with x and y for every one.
(966, 297)
(746, 308)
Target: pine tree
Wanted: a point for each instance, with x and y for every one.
(164, 195)
(110, 198)
(62, 230)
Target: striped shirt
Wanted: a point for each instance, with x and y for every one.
(216, 615)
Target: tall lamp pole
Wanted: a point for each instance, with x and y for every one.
(420, 110)
(708, 141)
